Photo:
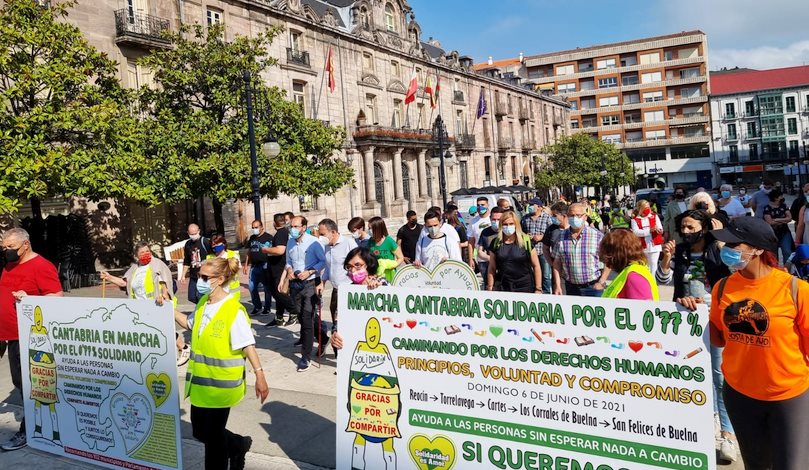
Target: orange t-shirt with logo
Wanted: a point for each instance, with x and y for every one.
(765, 337)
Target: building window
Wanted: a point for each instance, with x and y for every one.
(790, 104)
(605, 64)
(370, 109)
(390, 18)
(139, 75)
(751, 130)
(732, 131)
(308, 203)
(395, 70)
(753, 151)
(501, 168)
(689, 73)
(650, 116)
(653, 96)
(730, 110)
(611, 138)
(734, 153)
(750, 108)
(792, 126)
(688, 53)
(668, 55)
(770, 104)
(213, 17)
(421, 117)
(656, 135)
(565, 70)
(574, 124)
(793, 149)
(608, 82)
(464, 174)
(429, 176)
(296, 41)
(633, 98)
(610, 120)
(650, 58)
(608, 101)
(773, 127)
(398, 111)
(365, 18)
(651, 77)
(299, 94)
(367, 62)
(691, 92)
(460, 124)
(563, 88)
(487, 168)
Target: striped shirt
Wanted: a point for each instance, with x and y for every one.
(579, 257)
(536, 226)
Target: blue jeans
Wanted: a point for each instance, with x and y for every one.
(258, 277)
(573, 289)
(547, 274)
(785, 245)
(718, 384)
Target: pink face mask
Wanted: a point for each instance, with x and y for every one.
(358, 277)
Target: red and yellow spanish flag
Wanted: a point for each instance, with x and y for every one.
(330, 71)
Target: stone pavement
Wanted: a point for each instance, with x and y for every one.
(294, 428)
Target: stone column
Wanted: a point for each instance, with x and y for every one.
(398, 186)
(368, 162)
(422, 174)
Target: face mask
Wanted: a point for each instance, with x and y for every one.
(679, 196)
(12, 255)
(725, 194)
(194, 237)
(370, 233)
(646, 211)
(530, 210)
(356, 234)
(807, 196)
(509, 229)
(691, 238)
(295, 232)
(702, 206)
(411, 223)
(145, 259)
(733, 258)
(358, 277)
(435, 230)
(576, 222)
(255, 231)
(555, 221)
(218, 249)
(742, 192)
(482, 210)
(495, 224)
(767, 191)
(203, 287)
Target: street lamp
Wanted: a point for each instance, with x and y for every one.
(439, 134)
(270, 149)
(603, 174)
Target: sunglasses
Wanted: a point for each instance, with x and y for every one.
(206, 277)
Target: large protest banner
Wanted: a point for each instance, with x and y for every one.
(439, 379)
(100, 380)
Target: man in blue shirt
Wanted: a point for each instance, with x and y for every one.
(305, 262)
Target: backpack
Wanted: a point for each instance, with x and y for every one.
(793, 290)
(526, 243)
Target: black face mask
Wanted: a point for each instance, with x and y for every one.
(412, 223)
(679, 196)
(12, 255)
(691, 238)
(702, 206)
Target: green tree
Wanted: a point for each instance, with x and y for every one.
(197, 124)
(576, 160)
(65, 128)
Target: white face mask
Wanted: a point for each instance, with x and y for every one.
(194, 237)
(356, 234)
(435, 230)
(255, 231)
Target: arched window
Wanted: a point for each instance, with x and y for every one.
(406, 182)
(379, 188)
(365, 18)
(390, 18)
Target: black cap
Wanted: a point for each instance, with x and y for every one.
(751, 230)
(536, 201)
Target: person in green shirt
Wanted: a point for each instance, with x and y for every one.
(384, 247)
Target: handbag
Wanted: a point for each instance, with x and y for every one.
(283, 286)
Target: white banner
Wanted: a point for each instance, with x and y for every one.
(100, 380)
(457, 379)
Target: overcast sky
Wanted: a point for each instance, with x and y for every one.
(756, 34)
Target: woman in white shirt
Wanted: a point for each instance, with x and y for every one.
(646, 226)
(732, 206)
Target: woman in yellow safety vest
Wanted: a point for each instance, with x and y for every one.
(622, 252)
(221, 339)
(220, 250)
(147, 278)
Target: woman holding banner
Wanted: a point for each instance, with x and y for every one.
(758, 315)
(221, 339)
(622, 252)
(512, 259)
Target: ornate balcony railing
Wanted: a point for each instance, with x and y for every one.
(140, 29)
(298, 57)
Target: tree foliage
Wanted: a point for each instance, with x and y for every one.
(197, 123)
(576, 160)
(65, 126)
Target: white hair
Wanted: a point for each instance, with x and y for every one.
(726, 187)
(18, 233)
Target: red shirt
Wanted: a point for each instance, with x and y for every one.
(37, 276)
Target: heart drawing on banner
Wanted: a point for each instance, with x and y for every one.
(447, 275)
(411, 323)
(133, 416)
(432, 454)
(159, 386)
(635, 345)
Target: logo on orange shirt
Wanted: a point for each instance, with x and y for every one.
(747, 321)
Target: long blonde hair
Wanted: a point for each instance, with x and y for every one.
(227, 268)
(518, 233)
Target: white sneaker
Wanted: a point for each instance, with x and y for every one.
(717, 427)
(17, 441)
(727, 450)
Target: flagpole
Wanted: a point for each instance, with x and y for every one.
(322, 79)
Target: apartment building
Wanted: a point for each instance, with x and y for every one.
(376, 47)
(760, 122)
(647, 96)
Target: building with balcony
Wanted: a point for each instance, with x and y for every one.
(760, 122)
(376, 47)
(647, 96)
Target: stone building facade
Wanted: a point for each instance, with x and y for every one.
(377, 46)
